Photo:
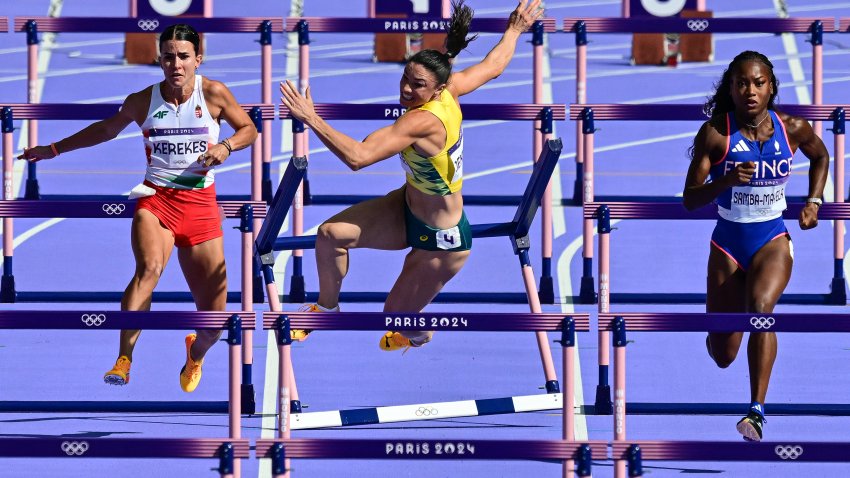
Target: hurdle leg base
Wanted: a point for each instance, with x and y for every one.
(546, 294)
(7, 289)
(295, 406)
(587, 293)
(603, 405)
(296, 289)
(249, 403)
(838, 291)
(31, 190)
(552, 386)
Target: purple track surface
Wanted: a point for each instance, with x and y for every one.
(342, 370)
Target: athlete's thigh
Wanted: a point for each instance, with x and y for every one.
(769, 274)
(376, 223)
(424, 274)
(150, 240)
(205, 272)
(725, 292)
(725, 284)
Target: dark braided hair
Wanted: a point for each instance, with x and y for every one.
(721, 103)
(456, 40)
(181, 31)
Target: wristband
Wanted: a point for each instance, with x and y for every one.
(53, 148)
(817, 201)
(226, 144)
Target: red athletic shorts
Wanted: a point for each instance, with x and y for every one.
(192, 215)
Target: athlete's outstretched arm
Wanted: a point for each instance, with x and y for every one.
(470, 79)
(379, 145)
(93, 134)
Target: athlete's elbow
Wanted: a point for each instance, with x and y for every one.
(689, 203)
(353, 163)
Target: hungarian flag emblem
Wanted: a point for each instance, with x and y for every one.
(198, 112)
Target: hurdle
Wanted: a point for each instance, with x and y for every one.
(543, 113)
(305, 25)
(587, 114)
(634, 452)
(228, 451)
(233, 322)
(439, 321)
(101, 206)
(517, 230)
(283, 322)
(618, 324)
(33, 25)
(582, 453)
(666, 210)
(582, 26)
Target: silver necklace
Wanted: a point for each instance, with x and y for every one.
(755, 126)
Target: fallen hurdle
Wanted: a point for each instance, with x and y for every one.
(516, 230)
(545, 114)
(282, 323)
(540, 134)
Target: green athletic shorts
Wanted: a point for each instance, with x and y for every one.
(425, 237)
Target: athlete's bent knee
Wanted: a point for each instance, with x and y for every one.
(149, 270)
(761, 305)
(331, 234)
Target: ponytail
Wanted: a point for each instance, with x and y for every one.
(439, 63)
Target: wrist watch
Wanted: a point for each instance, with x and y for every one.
(817, 201)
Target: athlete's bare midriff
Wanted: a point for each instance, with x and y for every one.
(441, 212)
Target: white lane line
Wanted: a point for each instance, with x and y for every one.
(559, 228)
(799, 77)
(270, 387)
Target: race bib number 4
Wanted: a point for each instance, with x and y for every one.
(449, 238)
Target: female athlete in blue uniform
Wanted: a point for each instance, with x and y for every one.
(744, 151)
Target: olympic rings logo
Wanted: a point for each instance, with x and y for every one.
(93, 320)
(697, 25)
(113, 209)
(148, 25)
(762, 322)
(427, 412)
(77, 448)
(788, 452)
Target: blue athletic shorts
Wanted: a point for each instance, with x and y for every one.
(741, 240)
